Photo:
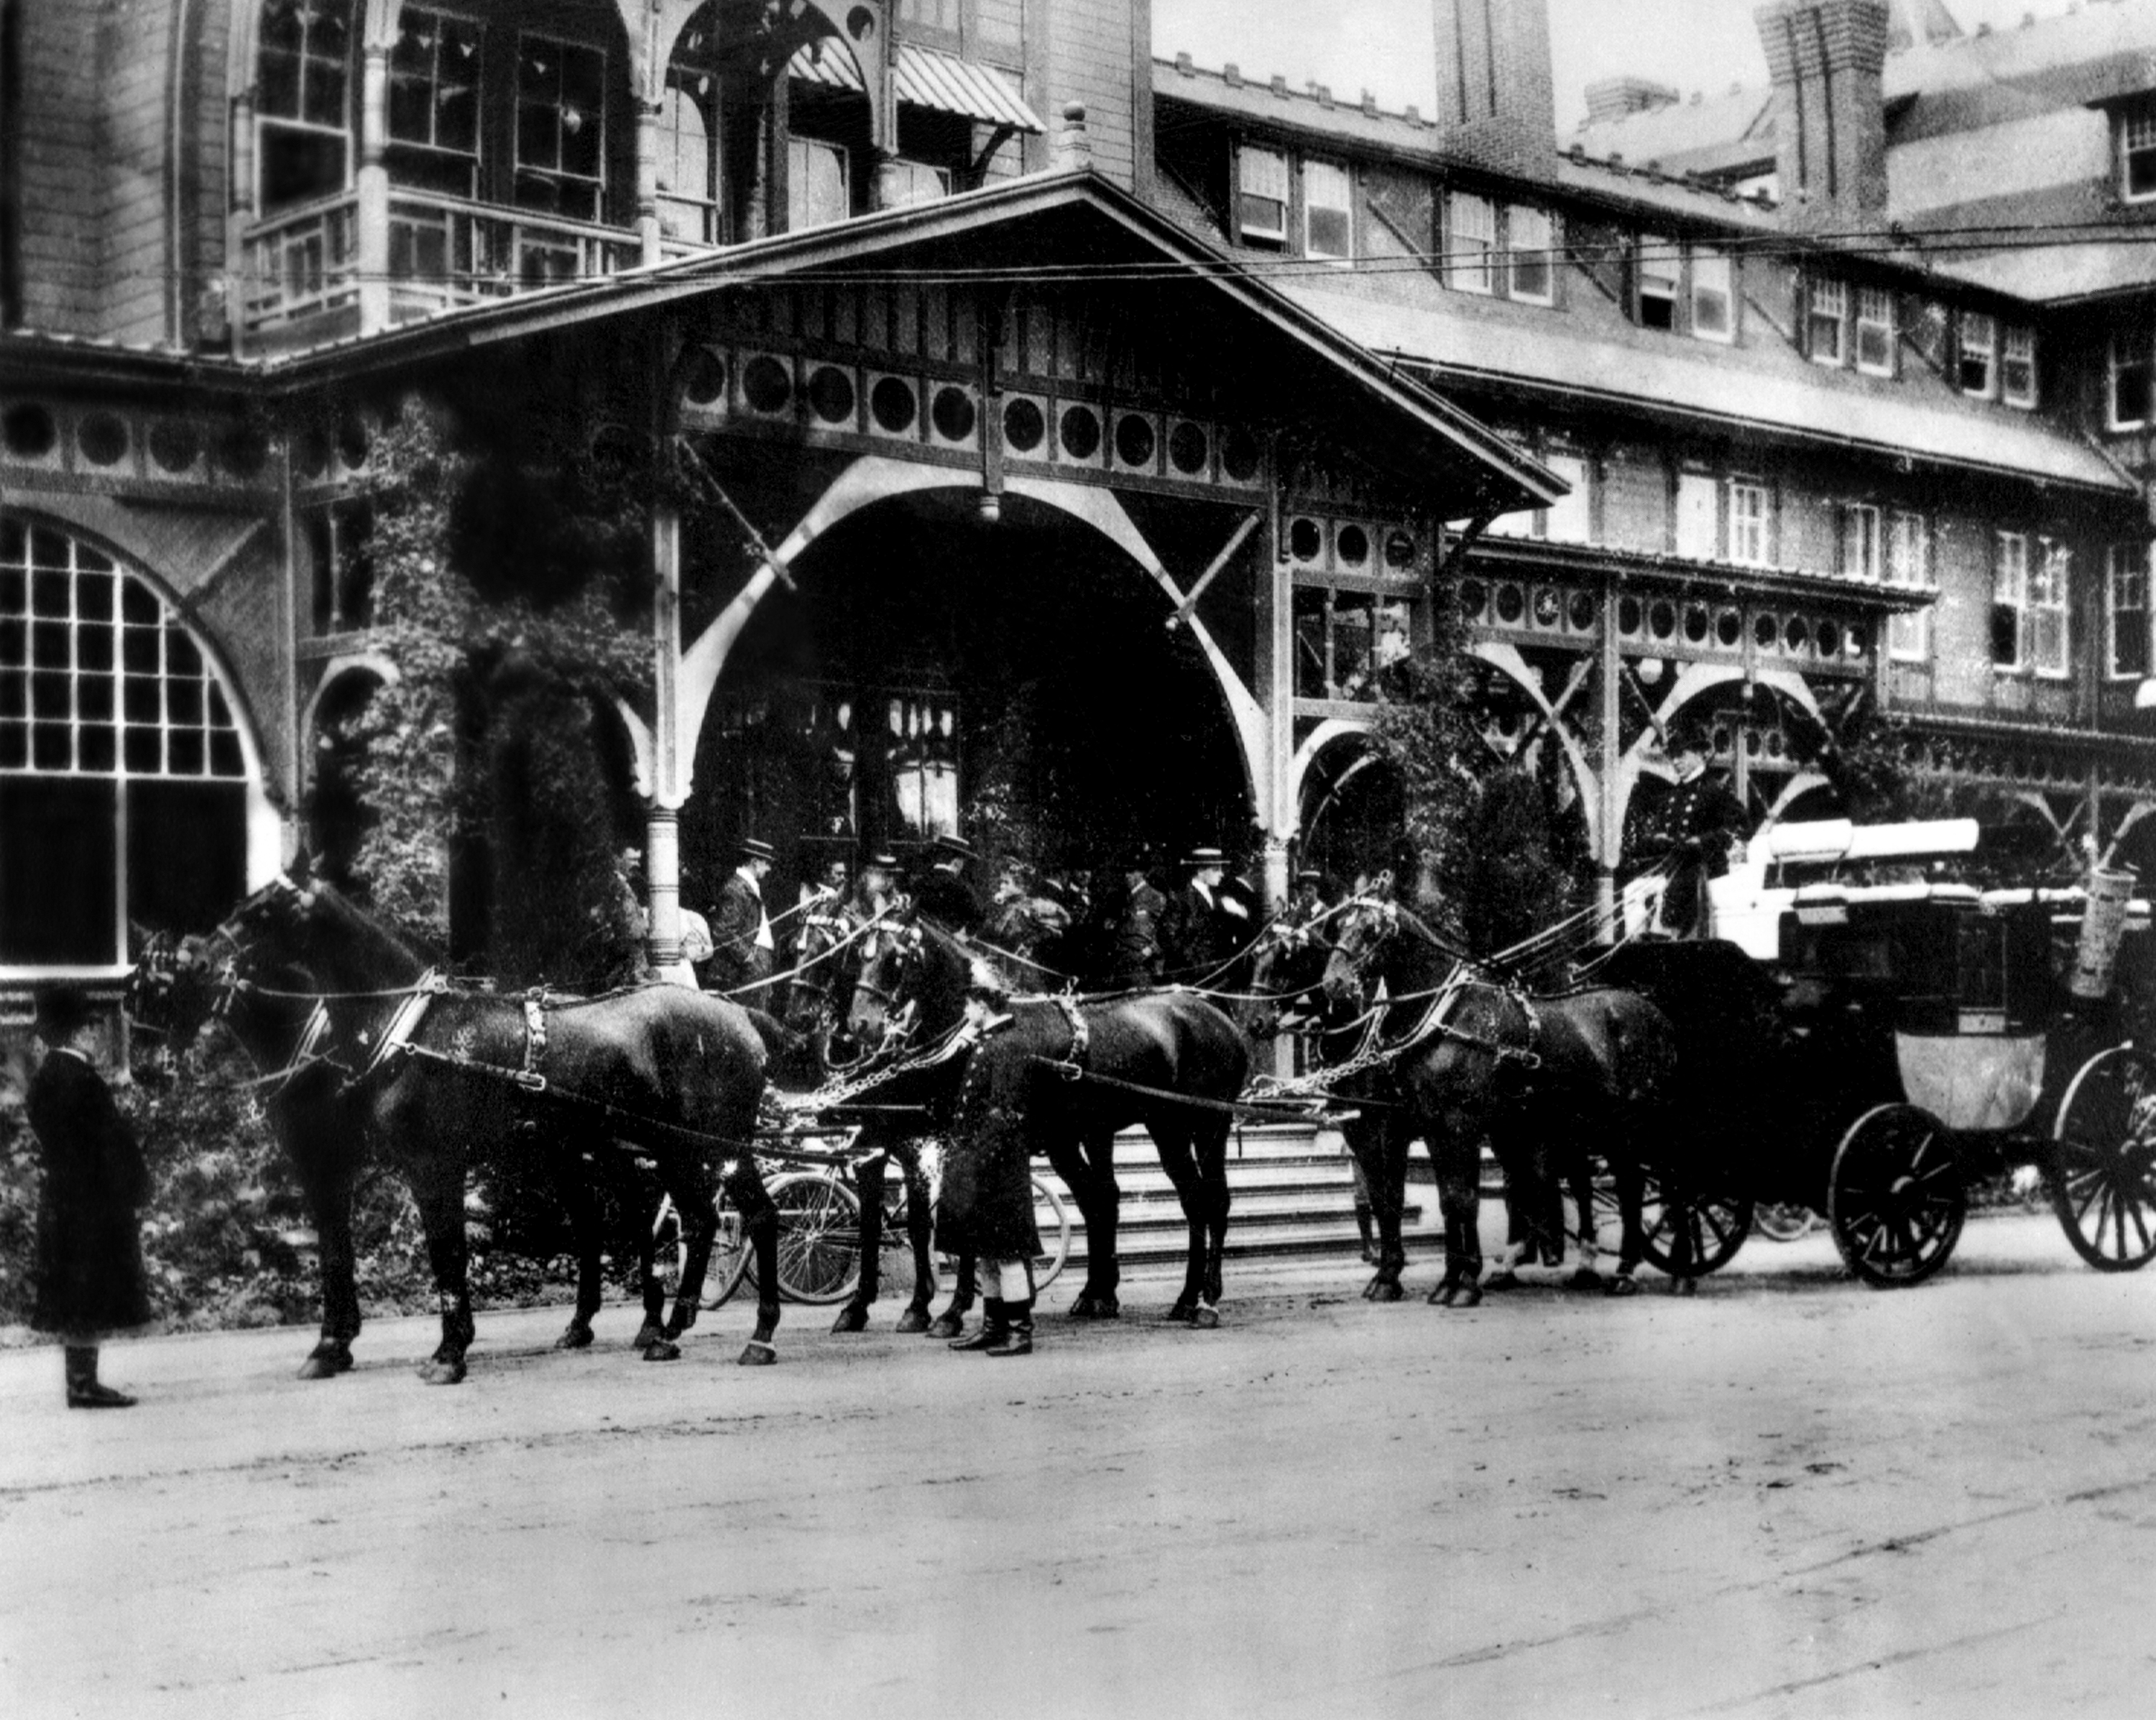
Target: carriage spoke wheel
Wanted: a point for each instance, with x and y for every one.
(819, 1237)
(1895, 1196)
(1714, 1221)
(2103, 1166)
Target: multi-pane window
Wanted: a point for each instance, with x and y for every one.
(433, 102)
(1344, 641)
(1861, 548)
(2132, 372)
(2017, 367)
(1261, 195)
(2137, 154)
(122, 772)
(1713, 297)
(1568, 520)
(818, 189)
(1471, 243)
(303, 99)
(2049, 581)
(1747, 523)
(2126, 612)
(1875, 331)
(1328, 222)
(689, 182)
(1698, 523)
(1977, 354)
(561, 127)
(2010, 598)
(1531, 251)
(1826, 313)
(1659, 270)
(1908, 568)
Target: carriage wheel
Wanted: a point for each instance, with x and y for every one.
(1895, 1196)
(2104, 1168)
(1783, 1221)
(1051, 1218)
(1718, 1223)
(819, 1237)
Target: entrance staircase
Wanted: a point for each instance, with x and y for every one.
(1291, 1188)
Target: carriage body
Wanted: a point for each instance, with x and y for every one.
(1871, 1049)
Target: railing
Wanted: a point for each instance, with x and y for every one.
(443, 251)
(301, 262)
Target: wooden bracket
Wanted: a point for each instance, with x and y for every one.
(753, 539)
(1183, 609)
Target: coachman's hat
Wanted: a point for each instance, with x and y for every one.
(752, 848)
(61, 1010)
(956, 845)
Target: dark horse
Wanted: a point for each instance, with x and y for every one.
(1080, 1071)
(1546, 1081)
(383, 1063)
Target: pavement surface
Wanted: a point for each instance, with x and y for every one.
(1790, 1496)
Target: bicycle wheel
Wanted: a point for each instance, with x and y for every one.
(819, 1237)
(1051, 1218)
(729, 1260)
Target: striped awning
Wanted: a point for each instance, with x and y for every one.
(926, 78)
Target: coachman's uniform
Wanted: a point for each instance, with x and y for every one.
(1699, 821)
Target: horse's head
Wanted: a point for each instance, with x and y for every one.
(180, 983)
(1288, 961)
(887, 961)
(1367, 925)
(917, 978)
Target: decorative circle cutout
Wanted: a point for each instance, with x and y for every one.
(1729, 627)
(1511, 603)
(102, 438)
(1240, 456)
(312, 456)
(1188, 449)
(1352, 544)
(1662, 619)
(1473, 596)
(952, 414)
(1629, 616)
(175, 446)
(1580, 611)
(1796, 636)
(1025, 427)
(1399, 551)
(1135, 441)
(1828, 637)
(1695, 624)
(767, 384)
(353, 441)
(1305, 539)
(704, 377)
(1546, 607)
(892, 404)
(1764, 631)
(244, 451)
(28, 432)
(831, 394)
(1080, 432)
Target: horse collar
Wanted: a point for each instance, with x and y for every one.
(404, 1021)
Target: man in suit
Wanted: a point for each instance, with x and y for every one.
(742, 947)
(88, 1275)
(1137, 951)
(1205, 923)
(943, 894)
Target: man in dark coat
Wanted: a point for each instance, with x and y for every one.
(1699, 821)
(1138, 952)
(741, 944)
(943, 893)
(89, 1271)
(1205, 925)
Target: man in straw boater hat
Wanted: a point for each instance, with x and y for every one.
(89, 1269)
(742, 946)
(1205, 924)
(943, 893)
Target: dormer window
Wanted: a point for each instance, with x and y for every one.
(1713, 297)
(2017, 367)
(1471, 243)
(1875, 331)
(1261, 196)
(1530, 251)
(1976, 354)
(1328, 220)
(2137, 154)
(1826, 313)
(2132, 381)
(1660, 270)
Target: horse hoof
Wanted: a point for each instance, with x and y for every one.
(647, 1334)
(1505, 1280)
(576, 1336)
(661, 1350)
(1182, 1314)
(1204, 1319)
(1623, 1284)
(440, 1373)
(1442, 1296)
(1090, 1307)
(913, 1320)
(1584, 1279)
(944, 1326)
(1470, 1296)
(852, 1319)
(1684, 1286)
(320, 1366)
(757, 1354)
(1385, 1290)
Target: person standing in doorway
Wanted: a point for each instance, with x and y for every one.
(89, 1269)
(742, 946)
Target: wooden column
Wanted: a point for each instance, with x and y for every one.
(372, 240)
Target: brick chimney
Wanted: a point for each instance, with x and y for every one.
(1614, 98)
(1496, 104)
(1825, 57)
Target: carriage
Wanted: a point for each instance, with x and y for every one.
(1870, 1036)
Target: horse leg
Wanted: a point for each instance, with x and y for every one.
(588, 1227)
(1210, 1147)
(868, 1185)
(438, 1193)
(1171, 1141)
(695, 1205)
(920, 1231)
(1624, 1171)
(328, 1194)
(1580, 1173)
(1456, 1158)
(951, 1321)
(760, 1217)
(1372, 1144)
(1087, 1166)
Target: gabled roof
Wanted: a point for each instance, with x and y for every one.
(1009, 230)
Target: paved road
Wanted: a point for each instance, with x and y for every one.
(1792, 1497)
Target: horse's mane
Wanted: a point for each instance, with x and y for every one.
(376, 932)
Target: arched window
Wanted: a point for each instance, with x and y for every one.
(123, 775)
(303, 75)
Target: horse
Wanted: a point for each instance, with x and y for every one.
(1079, 1070)
(1472, 1058)
(385, 1061)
